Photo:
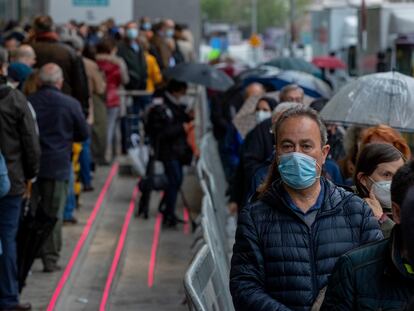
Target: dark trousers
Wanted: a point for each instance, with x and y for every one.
(174, 172)
(10, 207)
(130, 123)
(51, 196)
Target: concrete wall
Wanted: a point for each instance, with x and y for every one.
(182, 11)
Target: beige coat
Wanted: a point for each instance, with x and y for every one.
(96, 83)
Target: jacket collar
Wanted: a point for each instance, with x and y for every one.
(47, 36)
(395, 263)
(331, 202)
(49, 87)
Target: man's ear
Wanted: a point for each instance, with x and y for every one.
(396, 213)
(325, 152)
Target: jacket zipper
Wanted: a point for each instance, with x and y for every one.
(313, 263)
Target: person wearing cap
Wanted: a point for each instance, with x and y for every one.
(380, 276)
(21, 67)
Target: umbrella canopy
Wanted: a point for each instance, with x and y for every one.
(381, 98)
(202, 74)
(294, 63)
(328, 62)
(245, 119)
(313, 86)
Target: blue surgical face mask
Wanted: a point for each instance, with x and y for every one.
(132, 33)
(298, 170)
(169, 33)
(146, 26)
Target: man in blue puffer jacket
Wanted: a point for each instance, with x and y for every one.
(288, 241)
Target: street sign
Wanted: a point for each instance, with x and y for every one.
(91, 11)
(255, 41)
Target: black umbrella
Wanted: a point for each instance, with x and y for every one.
(33, 232)
(202, 74)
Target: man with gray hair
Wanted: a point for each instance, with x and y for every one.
(21, 68)
(292, 93)
(61, 122)
(256, 152)
(288, 240)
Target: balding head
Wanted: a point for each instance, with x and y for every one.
(169, 23)
(26, 55)
(254, 89)
(51, 74)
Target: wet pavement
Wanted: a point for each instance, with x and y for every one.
(96, 281)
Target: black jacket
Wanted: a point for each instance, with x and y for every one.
(258, 146)
(61, 123)
(19, 141)
(75, 83)
(137, 66)
(279, 263)
(165, 127)
(371, 278)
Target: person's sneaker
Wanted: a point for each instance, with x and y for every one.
(18, 307)
(51, 267)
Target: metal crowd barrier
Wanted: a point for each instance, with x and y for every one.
(215, 222)
(202, 282)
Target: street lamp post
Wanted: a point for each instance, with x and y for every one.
(254, 17)
(292, 26)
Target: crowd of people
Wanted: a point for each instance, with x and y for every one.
(314, 201)
(65, 93)
(319, 206)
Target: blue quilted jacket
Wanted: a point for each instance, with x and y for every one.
(280, 263)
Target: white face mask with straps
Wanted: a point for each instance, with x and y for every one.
(262, 115)
(382, 191)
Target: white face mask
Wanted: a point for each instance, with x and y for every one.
(382, 191)
(262, 115)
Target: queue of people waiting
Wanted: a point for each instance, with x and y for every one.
(314, 203)
(61, 107)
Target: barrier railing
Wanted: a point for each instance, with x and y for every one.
(215, 228)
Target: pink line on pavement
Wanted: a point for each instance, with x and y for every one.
(118, 251)
(155, 240)
(186, 216)
(83, 237)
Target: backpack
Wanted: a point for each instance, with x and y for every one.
(4, 177)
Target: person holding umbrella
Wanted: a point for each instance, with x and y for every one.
(19, 145)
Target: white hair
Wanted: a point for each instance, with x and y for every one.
(282, 107)
(50, 74)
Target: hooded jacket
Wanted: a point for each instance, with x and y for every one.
(279, 262)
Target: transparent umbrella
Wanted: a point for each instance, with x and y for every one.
(382, 98)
